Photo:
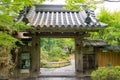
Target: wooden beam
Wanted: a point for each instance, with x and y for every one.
(59, 34)
(64, 29)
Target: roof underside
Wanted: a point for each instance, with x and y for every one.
(55, 18)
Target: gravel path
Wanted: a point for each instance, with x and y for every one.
(58, 78)
(68, 70)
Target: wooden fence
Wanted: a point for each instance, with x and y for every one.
(108, 58)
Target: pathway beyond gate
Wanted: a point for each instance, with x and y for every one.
(56, 78)
(67, 71)
(63, 71)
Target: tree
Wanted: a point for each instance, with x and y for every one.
(112, 33)
(56, 49)
(11, 6)
(75, 4)
(9, 9)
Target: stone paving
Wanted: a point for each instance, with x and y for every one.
(55, 78)
(63, 71)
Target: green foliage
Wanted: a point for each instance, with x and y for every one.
(6, 64)
(55, 64)
(53, 49)
(8, 25)
(9, 9)
(44, 55)
(56, 51)
(14, 6)
(48, 43)
(106, 73)
(112, 33)
(65, 43)
(74, 4)
(5, 23)
(7, 41)
(20, 27)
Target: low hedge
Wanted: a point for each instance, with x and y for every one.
(106, 73)
(55, 64)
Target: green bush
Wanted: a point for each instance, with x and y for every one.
(52, 50)
(106, 73)
(56, 51)
(57, 54)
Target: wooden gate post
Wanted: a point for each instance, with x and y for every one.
(78, 55)
(35, 57)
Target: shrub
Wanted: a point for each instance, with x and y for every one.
(44, 56)
(6, 64)
(106, 73)
(56, 51)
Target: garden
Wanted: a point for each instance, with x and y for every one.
(112, 35)
(54, 50)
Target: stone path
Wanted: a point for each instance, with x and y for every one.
(56, 78)
(63, 71)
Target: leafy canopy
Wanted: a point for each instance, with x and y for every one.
(8, 6)
(85, 4)
(8, 10)
(112, 33)
(56, 49)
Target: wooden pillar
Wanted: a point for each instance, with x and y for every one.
(35, 57)
(96, 57)
(79, 55)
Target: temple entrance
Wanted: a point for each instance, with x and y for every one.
(32, 47)
(53, 21)
(57, 57)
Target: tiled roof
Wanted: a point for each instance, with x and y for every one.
(111, 48)
(55, 16)
(112, 0)
(95, 43)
